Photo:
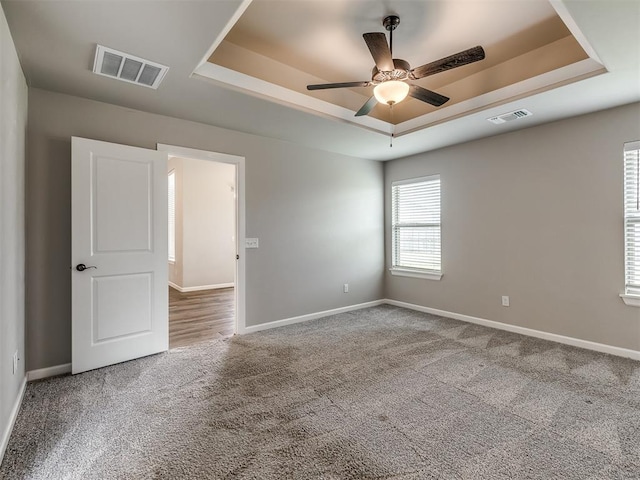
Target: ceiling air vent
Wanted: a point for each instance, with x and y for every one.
(507, 117)
(128, 68)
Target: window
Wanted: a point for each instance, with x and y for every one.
(415, 225)
(632, 220)
(172, 216)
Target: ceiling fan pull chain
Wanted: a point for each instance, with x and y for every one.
(392, 127)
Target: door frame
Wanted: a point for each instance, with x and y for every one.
(239, 162)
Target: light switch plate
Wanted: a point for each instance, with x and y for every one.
(250, 243)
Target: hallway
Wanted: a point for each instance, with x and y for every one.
(199, 316)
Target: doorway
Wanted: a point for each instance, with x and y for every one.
(206, 229)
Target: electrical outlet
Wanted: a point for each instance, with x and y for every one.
(15, 362)
(346, 288)
(505, 301)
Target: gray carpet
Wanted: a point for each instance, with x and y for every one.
(378, 393)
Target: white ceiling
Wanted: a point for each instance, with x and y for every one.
(56, 43)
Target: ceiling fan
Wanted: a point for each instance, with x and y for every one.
(390, 74)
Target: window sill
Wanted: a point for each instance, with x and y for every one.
(631, 300)
(415, 274)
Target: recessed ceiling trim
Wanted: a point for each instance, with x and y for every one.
(565, 16)
(261, 88)
(255, 86)
(223, 33)
(531, 86)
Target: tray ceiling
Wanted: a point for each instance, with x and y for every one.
(275, 48)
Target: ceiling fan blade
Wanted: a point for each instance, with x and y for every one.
(377, 43)
(432, 98)
(367, 107)
(457, 60)
(323, 86)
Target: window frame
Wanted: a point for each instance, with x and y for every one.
(407, 271)
(631, 295)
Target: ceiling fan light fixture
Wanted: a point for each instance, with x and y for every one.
(391, 92)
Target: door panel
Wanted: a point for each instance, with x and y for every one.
(119, 226)
(130, 200)
(122, 306)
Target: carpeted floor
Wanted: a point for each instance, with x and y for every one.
(377, 393)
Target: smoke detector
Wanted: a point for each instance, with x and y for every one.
(128, 68)
(508, 117)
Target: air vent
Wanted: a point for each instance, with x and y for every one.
(507, 117)
(128, 68)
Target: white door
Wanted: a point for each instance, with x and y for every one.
(119, 234)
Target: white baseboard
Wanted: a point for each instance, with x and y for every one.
(310, 316)
(574, 342)
(6, 434)
(48, 372)
(200, 287)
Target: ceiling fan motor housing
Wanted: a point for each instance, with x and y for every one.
(399, 72)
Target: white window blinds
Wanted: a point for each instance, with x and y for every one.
(172, 216)
(415, 206)
(632, 217)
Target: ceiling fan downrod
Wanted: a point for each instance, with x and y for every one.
(390, 23)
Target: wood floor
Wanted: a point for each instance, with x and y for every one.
(198, 316)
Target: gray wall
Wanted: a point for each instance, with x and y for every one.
(13, 122)
(319, 216)
(536, 215)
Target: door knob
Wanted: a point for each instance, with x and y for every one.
(81, 267)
